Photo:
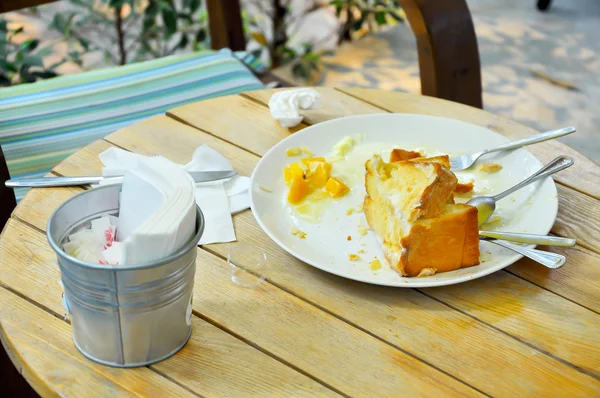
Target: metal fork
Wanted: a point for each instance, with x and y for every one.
(463, 162)
(547, 259)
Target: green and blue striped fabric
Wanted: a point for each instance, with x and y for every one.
(43, 123)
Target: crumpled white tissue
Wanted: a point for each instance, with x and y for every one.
(285, 105)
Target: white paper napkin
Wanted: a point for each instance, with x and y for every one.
(221, 198)
(285, 105)
(218, 200)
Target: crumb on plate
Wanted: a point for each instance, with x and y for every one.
(489, 167)
(296, 232)
(426, 272)
(353, 210)
(363, 231)
(307, 151)
(353, 257)
(462, 188)
(361, 251)
(349, 237)
(375, 264)
(293, 151)
(265, 189)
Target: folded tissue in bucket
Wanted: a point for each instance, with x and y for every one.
(218, 200)
(157, 216)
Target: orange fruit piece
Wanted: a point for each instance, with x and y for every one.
(299, 189)
(291, 171)
(319, 176)
(336, 188)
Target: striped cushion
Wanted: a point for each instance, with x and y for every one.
(43, 123)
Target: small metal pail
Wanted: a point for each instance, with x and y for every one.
(130, 315)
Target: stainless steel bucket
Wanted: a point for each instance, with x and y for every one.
(123, 316)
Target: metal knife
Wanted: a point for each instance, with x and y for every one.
(43, 182)
(528, 238)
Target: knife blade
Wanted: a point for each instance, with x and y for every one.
(533, 239)
(45, 182)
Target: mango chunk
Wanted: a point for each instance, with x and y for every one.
(299, 189)
(336, 188)
(291, 171)
(319, 176)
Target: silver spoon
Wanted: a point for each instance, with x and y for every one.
(547, 259)
(463, 162)
(487, 204)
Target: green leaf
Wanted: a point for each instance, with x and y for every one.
(312, 56)
(299, 70)
(186, 17)
(45, 51)
(257, 53)
(380, 18)
(29, 45)
(116, 3)
(62, 22)
(152, 10)
(183, 42)
(201, 36)
(169, 17)
(33, 60)
(3, 25)
(56, 64)
(396, 16)
(84, 43)
(44, 74)
(24, 74)
(4, 64)
(194, 5)
(17, 31)
(4, 81)
(80, 3)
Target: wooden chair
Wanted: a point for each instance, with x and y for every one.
(446, 42)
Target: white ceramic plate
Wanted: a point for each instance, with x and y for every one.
(326, 246)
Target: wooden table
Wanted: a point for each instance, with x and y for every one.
(526, 330)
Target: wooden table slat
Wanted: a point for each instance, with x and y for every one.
(578, 217)
(332, 104)
(235, 119)
(42, 346)
(578, 280)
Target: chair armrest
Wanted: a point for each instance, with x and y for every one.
(448, 52)
(225, 24)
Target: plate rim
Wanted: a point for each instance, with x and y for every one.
(417, 282)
